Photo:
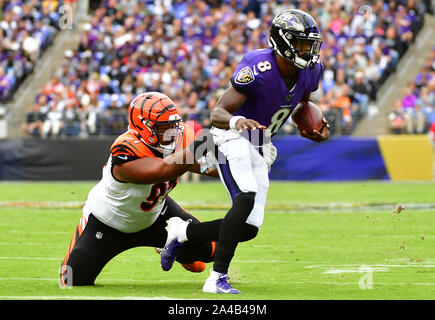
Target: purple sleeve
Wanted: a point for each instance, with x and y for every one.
(243, 79)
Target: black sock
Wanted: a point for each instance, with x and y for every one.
(231, 230)
(204, 231)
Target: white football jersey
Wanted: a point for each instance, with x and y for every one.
(126, 207)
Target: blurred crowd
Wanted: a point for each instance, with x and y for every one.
(189, 49)
(27, 28)
(414, 112)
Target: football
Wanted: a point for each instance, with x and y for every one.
(307, 116)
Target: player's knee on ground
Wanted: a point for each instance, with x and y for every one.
(79, 269)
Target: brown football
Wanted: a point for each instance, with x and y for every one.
(307, 116)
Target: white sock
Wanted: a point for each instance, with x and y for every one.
(214, 275)
(181, 232)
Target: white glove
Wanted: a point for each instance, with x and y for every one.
(207, 163)
(269, 153)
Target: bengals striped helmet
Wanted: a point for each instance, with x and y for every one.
(153, 117)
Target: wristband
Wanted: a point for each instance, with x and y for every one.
(233, 121)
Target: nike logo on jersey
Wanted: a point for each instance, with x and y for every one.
(163, 211)
(123, 157)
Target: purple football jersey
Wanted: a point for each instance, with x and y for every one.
(270, 101)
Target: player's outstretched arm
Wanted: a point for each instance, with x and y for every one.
(201, 149)
(150, 170)
(227, 104)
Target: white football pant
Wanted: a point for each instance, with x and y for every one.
(242, 169)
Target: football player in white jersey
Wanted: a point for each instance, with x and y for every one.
(130, 205)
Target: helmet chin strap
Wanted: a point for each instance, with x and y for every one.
(297, 61)
(166, 148)
(306, 61)
(301, 62)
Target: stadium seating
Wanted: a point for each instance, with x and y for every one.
(27, 28)
(415, 110)
(189, 50)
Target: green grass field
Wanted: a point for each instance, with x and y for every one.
(318, 241)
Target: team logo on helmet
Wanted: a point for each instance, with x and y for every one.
(289, 21)
(245, 76)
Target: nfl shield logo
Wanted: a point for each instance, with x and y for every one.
(99, 235)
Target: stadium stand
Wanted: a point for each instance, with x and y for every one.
(189, 49)
(415, 111)
(27, 28)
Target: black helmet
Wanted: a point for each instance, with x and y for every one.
(287, 29)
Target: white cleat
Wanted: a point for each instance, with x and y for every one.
(217, 283)
(176, 230)
(176, 236)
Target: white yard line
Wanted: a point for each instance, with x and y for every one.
(137, 259)
(102, 281)
(26, 243)
(42, 232)
(271, 207)
(412, 265)
(423, 264)
(30, 258)
(363, 268)
(60, 297)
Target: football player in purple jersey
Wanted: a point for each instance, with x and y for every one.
(265, 88)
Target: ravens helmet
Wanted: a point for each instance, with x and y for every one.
(295, 36)
(153, 117)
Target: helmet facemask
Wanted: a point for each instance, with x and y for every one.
(165, 136)
(304, 53)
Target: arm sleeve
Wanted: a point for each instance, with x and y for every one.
(122, 153)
